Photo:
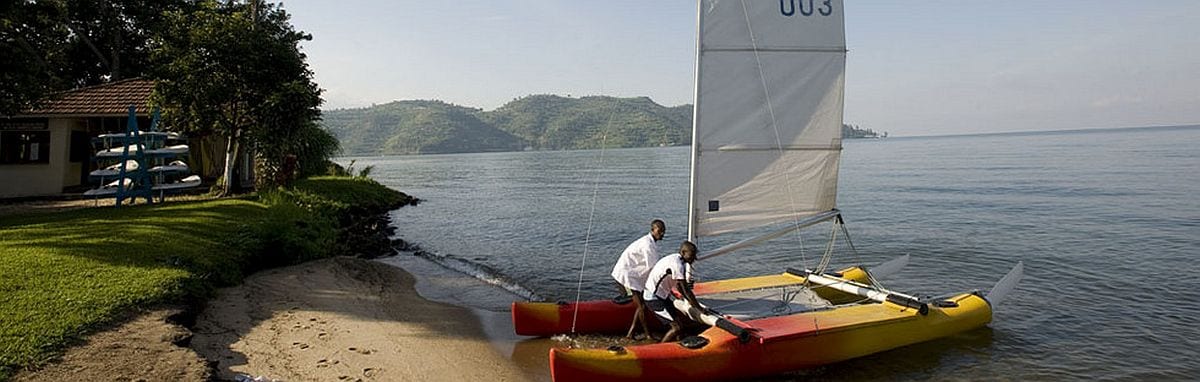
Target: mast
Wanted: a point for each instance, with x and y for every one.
(692, 215)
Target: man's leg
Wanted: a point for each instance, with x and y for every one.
(677, 318)
(663, 314)
(637, 315)
(675, 329)
(641, 317)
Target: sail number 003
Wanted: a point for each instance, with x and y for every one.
(806, 7)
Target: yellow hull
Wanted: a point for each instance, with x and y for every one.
(779, 344)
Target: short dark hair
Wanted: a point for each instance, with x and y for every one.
(658, 223)
(687, 245)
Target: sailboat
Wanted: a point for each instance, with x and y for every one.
(765, 152)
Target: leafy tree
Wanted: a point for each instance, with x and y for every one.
(110, 39)
(31, 48)
(52, 45)
(236, 70)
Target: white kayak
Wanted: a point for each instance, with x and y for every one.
(188, 182)
(169, 150)
(115, 170)
(174, 166)
(110, 188)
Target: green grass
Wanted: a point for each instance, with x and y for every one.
(64, 274)
(348, 192)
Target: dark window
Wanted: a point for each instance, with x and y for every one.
(20, 147)
(81, 146)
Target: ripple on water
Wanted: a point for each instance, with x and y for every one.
(1107, 223)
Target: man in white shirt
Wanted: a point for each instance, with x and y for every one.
(671, 273)
(633, 267)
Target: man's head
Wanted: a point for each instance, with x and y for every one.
(687, 251)
(658, 229)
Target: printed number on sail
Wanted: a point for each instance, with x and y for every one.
(788, 7)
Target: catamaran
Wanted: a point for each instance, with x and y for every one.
(766, 145)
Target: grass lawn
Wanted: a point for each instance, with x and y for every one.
(63, 274)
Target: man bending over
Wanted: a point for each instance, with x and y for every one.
(670, 273)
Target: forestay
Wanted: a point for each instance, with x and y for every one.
(768, 113)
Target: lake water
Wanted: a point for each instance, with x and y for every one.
(1106, 221)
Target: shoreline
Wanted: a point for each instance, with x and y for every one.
(489, 304)
(99, 306)
(360, 317)
(341, 319)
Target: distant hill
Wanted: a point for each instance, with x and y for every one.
(416, 127)
(537, 122)
(549, 122)
(853, 132)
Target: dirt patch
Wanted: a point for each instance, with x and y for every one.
(143, 349)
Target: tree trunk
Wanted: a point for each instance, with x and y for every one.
(231, 148)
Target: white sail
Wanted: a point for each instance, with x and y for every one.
(768, 113)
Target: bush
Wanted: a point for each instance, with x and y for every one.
(290, 234)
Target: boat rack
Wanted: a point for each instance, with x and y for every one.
(139, 164)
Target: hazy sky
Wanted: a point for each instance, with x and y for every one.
(914, 67)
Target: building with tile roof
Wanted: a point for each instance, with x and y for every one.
(106, 100)
(47, 150)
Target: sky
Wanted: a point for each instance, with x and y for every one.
(913, 68)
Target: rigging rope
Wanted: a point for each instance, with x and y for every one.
(778, 140)
(846, 232)
(824, 263)
(588, 237)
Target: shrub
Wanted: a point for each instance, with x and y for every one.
(290, 234)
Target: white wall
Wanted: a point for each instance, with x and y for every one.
(42, 178)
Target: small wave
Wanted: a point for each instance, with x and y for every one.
(480, 272)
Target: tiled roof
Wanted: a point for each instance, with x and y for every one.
(111, 99)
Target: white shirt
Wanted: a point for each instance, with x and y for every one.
(664, 276)
(634, 264)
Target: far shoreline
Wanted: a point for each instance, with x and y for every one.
(1090, 130)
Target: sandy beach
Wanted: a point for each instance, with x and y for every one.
(343, 319)
(338, 319)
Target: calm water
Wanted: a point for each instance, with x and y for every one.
(1107, 223)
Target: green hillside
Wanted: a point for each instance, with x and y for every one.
(549, 122)
(415, 127)
(537, 122)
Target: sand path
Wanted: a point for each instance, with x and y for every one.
(343, 319)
